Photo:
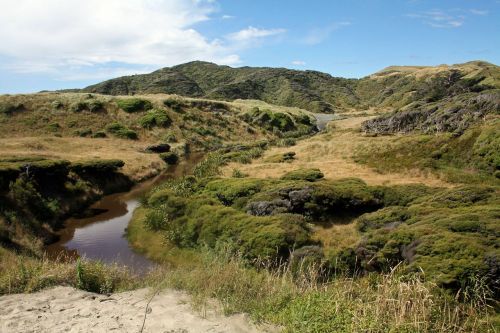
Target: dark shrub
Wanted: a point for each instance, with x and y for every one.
(131, 105)
(99, 134)
(96, 166)
(175, 104)
(78, 107)
(9, 108)
(83, 133)
(159, 148)
(170, 158)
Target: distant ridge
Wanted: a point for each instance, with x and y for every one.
(395, 86)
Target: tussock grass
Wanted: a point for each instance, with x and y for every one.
(23, 274)
(298, 301)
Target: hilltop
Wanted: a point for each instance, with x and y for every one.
(315, 91)
(394, 87)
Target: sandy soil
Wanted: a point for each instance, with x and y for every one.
(65, 309)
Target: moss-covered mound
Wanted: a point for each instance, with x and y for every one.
(130, 105)
(452, 235)
(449, 234)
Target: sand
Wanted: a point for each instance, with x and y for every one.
(65, 309)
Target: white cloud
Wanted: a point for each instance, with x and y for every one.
(440, 19)
(227, 17)
(318, 35)
(72, 38)
(298, 63)
(253, 33)
(479, 12)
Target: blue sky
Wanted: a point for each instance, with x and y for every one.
(56, 44)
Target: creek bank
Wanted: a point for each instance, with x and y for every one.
(101, 236)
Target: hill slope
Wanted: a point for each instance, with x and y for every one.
(469, 90)
(315, 91)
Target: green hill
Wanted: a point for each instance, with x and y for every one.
(314, 91)
(425, 95)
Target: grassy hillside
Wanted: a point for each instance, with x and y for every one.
(432, 99)
(347, 229)
(62, 151)
(425, 89)
(314, 91)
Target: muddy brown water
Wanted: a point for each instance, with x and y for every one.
(102, 236)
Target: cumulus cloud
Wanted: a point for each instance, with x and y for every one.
(298, 63)
(251, 33)
(71, 38)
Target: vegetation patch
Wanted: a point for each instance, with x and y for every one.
(131, 105)
(170, 158)
(121, 131)
(465, 158)
(155, 118)
(280, 158)
(310, 175)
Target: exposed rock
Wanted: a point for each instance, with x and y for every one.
(264, 208)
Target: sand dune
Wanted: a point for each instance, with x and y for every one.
(65, 309)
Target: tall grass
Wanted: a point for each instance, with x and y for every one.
(299, 301)
(21, 274)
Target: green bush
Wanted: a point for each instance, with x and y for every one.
(121, 131)
(155, 117)
(131, 105)
(310, 175)
(170, 158)
(156, 219)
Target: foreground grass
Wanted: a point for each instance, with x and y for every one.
(24, 274)
(299, 300)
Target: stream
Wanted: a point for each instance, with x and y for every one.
(102, 236)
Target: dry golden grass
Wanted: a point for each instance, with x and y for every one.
(338, 235)
(28, 132)
(138, 165)
(332, 153)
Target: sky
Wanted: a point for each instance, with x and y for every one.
(59, 44)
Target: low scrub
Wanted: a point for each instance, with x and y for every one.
(9, 109)
(131, 105)
(155, 118)
(121, 131)
(468, 158)
(281, 158)
(309, 175)
(170, 158)
(22, 274)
